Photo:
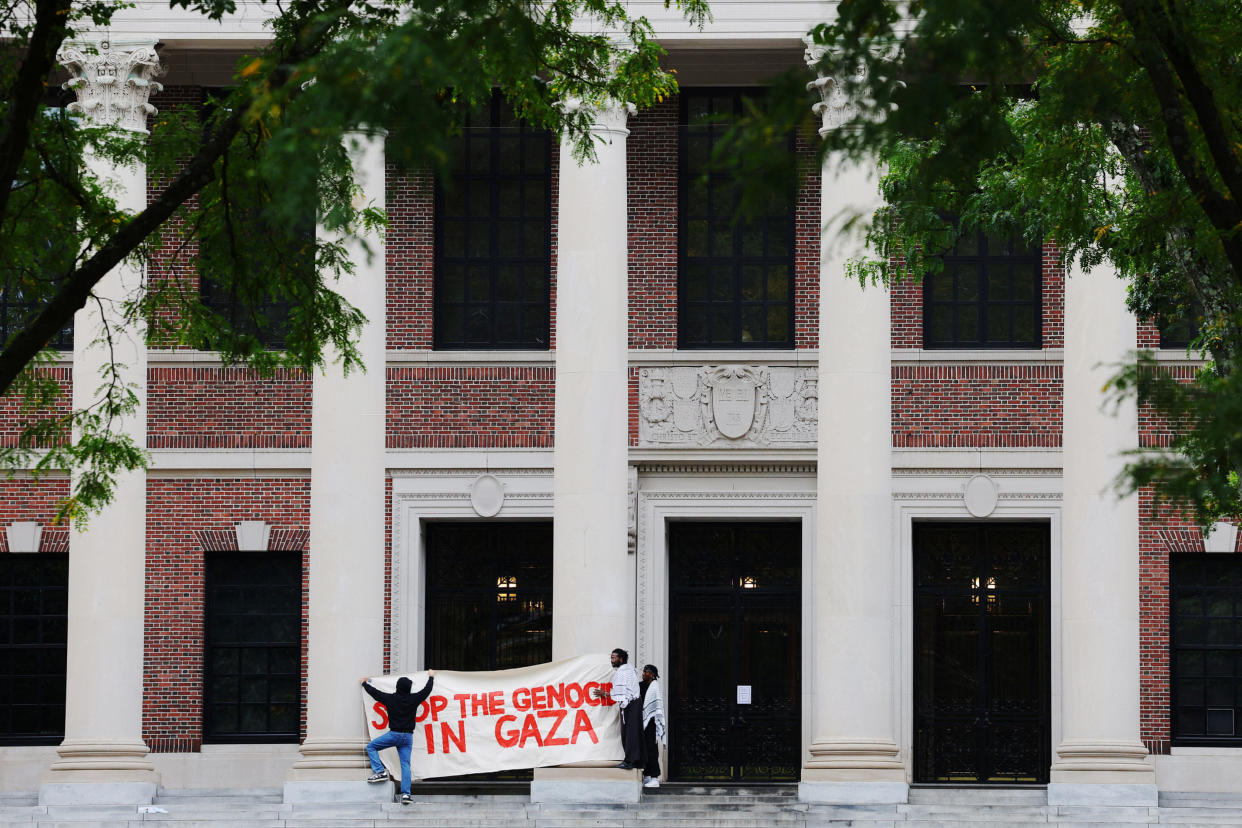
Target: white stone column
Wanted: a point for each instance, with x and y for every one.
(593, 581)
(1101, 758)
(853, 755)
(103, 759)
(346, 624)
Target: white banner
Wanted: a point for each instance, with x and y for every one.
(506, 719)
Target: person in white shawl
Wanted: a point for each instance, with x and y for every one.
(655, 726)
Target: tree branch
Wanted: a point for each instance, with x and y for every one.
(1175, 41)
(1224, 213)
(76, 288)
(51, 18)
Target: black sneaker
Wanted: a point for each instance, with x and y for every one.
(382, 776)
(625, 766)
(405, 799)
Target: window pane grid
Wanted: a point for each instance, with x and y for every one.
(489, 595)
(734, 277)
(15, 312)
(33, 624)
(1206, 648)
(987, 296)
(254, 647)
(493, 236)
(1180, 326)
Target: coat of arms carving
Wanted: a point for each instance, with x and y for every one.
(742, 406)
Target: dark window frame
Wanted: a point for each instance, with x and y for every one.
(982, 259)
(14, 313)
(497, 537)
(45, 704)
(1228, 584)
(211, 735)
(1178, 330)
(229, 305)
(527, 299)
(734, 260)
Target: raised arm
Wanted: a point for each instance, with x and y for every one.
(378, 695)
(421, 695)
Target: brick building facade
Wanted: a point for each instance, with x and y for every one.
(732, 409)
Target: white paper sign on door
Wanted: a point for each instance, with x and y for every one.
(743, 694)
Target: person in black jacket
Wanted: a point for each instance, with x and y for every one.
(402, 709)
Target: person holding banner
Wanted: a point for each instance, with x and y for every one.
(625, 694)
(655, 729)
(402, 709)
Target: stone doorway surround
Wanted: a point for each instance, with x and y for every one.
(457, 486)
(968, 484)
(670, 491)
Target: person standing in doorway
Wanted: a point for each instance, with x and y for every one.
(655, 726)
(625, 693)
(402, 709)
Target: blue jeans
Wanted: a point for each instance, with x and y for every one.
(402, 742)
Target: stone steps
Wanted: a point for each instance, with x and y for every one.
(668, 807)
(963, 796)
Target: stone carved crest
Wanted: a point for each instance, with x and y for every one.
(735, 399)
(742, 406)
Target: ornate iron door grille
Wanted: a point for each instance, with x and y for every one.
(735, 598)
(489, 601)
(981, 660)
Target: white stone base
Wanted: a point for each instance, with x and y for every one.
(227, 767)
(854, 793)
(320, 791)
(586, 790)
(1087, 793)
(1200, 770)
(97, 793)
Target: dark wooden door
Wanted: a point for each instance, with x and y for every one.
(735, 597)
(489, 601)
(981, 659)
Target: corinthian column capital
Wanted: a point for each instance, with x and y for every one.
(835, 106)
(113, 80)
(608, 118)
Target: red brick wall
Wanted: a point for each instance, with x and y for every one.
(13, 419)
(410, 242)
(171, 261)
(651, 157)
(1053, 294)
(807, 233)
(1156, 516)
(1154, 430)
(906, 310)
(177, 509)
(1154, 697)
(907, 304)
(470, 406)
(946, 406)
(219, 407)
(29, 500)
(1149, 335)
